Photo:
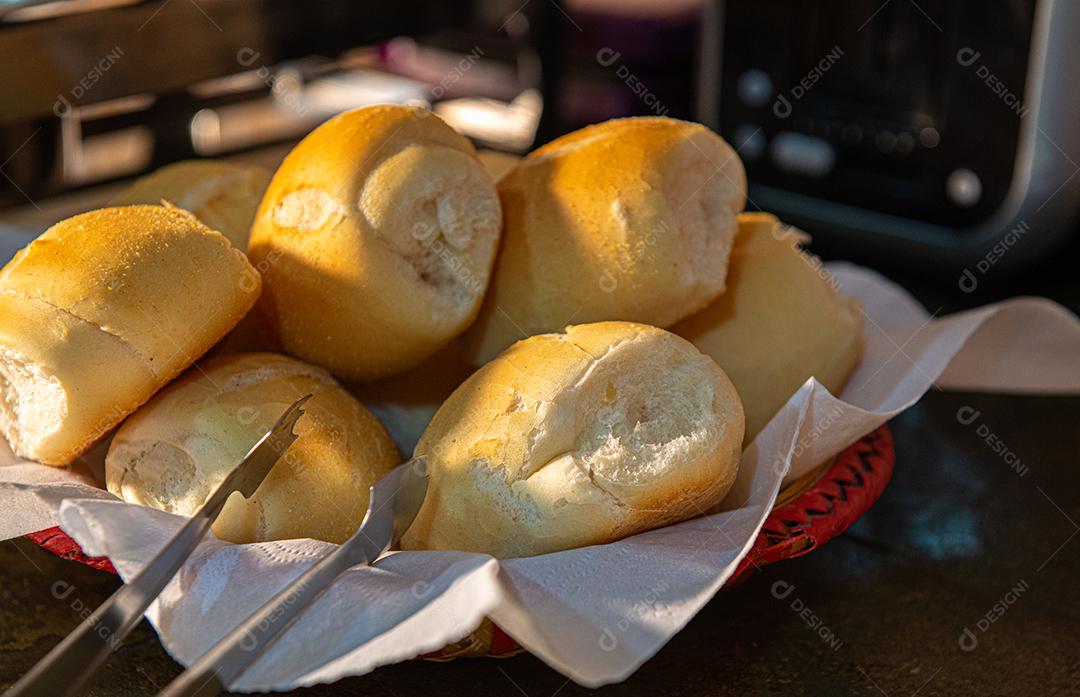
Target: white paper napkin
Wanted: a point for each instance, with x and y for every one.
(594, 614)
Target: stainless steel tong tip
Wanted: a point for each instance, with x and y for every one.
(71, 662)
(258, 462)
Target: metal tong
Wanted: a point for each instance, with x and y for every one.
(394, 502)
(71, 663)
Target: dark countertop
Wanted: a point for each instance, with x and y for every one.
(958, 533)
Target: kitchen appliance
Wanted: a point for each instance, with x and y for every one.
(936, 132)
(101, 90)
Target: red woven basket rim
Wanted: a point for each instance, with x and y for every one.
(830, 506)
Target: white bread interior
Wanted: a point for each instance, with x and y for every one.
(632, 219)
(174, 451)
(578, 438)
(780, 321)
(101, 311)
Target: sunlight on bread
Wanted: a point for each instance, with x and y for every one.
(578, 438)
(175, 451)
(101, 311)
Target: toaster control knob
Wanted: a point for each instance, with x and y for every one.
(963, 187)
(755, 88)
(802, 154)
(749, 142)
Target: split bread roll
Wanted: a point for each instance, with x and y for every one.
(101, 311)
(780, 322)
(632, 219)
(376, 240)
(174, 452)
(223, 195)
(578, 438)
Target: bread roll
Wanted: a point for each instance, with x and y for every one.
(376, 239)
(632, 219)
(177, 449)
(578, 438)
(101, 311)
(222, 195)
(780, 322)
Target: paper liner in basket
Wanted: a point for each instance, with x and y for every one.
(596, 613)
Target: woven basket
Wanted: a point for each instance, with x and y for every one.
(809, 512)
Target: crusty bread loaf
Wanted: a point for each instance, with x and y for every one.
(578, 438)
(780, 322)
(632, 219)
(376, 240)
(223, 195)
(101, 311)
(177, 449)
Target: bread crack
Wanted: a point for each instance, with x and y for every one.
(148, 362)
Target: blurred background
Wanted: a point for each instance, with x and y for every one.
(937, 141)
(934, 140)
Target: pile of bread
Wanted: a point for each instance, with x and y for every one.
(599, 324)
